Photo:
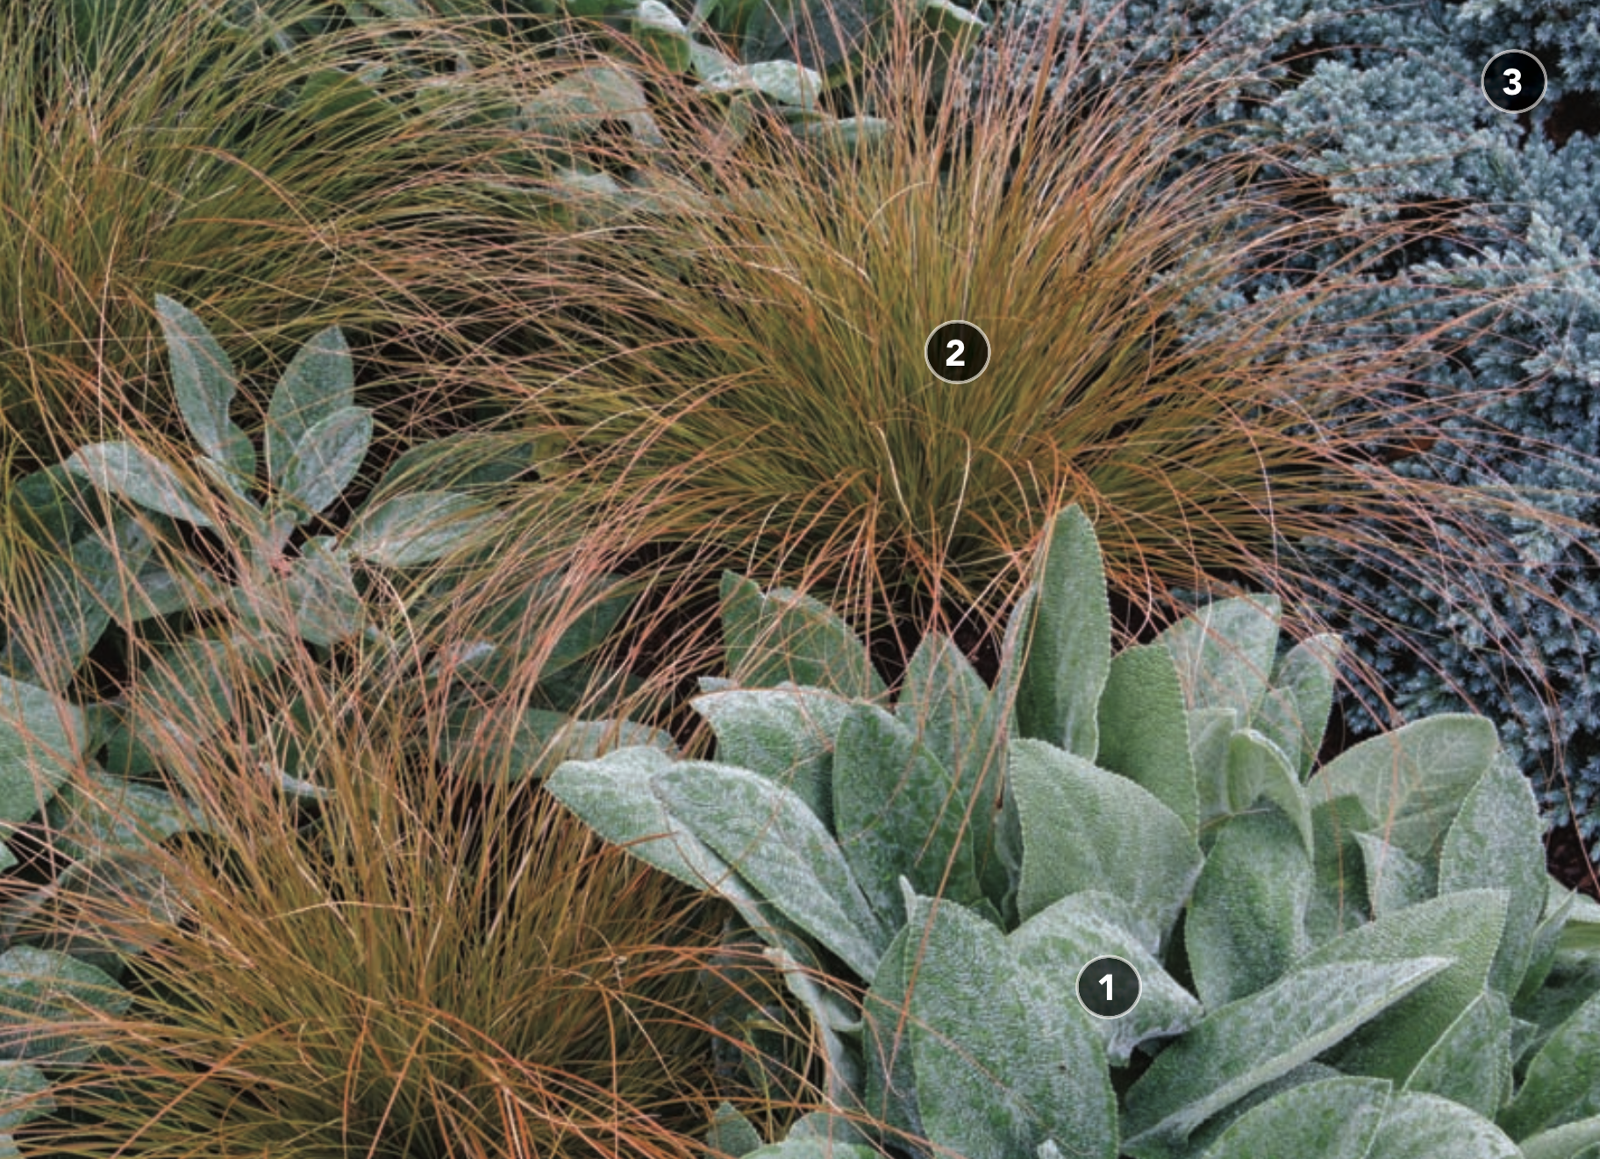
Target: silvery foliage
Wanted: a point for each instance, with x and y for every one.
(1389, 96)
(1364, 958)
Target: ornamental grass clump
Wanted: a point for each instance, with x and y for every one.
(281, 168)
(1161, 351)
(1357, 957)
(276, 876)
(386, 976)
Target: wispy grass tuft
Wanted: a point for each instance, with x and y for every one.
(226, 156)
(424, 959)
(1163, 354)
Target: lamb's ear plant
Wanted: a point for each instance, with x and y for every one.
(1364, 957)
(282, 582)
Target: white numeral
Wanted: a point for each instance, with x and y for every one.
(955, 359)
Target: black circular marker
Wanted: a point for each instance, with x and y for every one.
(1108, 987)
(956, 351)
(1514, 81)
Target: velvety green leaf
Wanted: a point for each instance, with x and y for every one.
(1496, 842)
(615, 797)
(1144, 731)
(1569, 1141)
(945, 702)
(833, 1018)
(71, 597)
(1084, 828)
(1411, 781)
(1394, 881)
(1004, 1059)
(731, 1133)
(1294, 712)
(1246, 1044)
(1061, 939)
(23, 1091)
(1210, 731)
(158, 591)
(189, 684)
(1339, 895)
(40, 740)
(1257, 768)
(202, 378)
(1471, 1062)
(483, 745)
(1428, 1127)
(415, 528)
(783, 81)
(778, 846)
(1224, 652)
(897, 814)
(785, 636)
(587, 739)
(119, 816)
(706, 61)
(510, 635)
(1462, 926)
(49, 507)
(768, 29)
(1209, 1132)
(847, 134)
(137, 476)
(830, 1128)
(41, 986)
(318, 383)
(658, 29)
(954, 24)
(582, 101)
(890, 1089)
(1582, 928)
(1563, 1080)
(1331, 1119)
(1068, 641)
(1545, 943)
(1245, 925)
(815, 1148)
(325, 459)
(785, 733)
(1573, 979)
(115, 880)
(322, 592)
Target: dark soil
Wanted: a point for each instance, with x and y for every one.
(1569, 864)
